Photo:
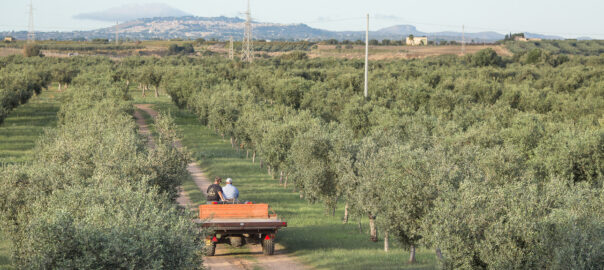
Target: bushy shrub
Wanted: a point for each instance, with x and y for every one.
(518, 226)
(31, 50)
(108, 225)
(186, 48)
(533, 56)
(486, 57)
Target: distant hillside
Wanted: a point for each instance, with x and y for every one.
(222, 28)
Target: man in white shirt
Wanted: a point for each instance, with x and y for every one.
(231, 193)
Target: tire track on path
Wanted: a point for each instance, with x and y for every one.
(224, 258)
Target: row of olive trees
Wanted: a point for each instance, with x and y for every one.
(18, 83)
(95, 195)
(444, 150)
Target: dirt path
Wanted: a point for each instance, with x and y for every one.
(143, 128)
(247, 258)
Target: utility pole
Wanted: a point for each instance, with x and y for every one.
(463, 40)
(31, 34)
(248, 50)
(231, 50)
(367, 58)
(117, 38)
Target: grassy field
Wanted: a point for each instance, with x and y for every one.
(5, 262)
(18, 134)
(25, 124)
(319, 240)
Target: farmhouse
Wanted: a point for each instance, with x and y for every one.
(415, 41)
(9, 39)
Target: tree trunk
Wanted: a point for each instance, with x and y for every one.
(247, 154)
(345, 219)
(232, 143)
(261, 165)
(301, 195)
(285, 184)
(268, 169)
(59, 87)
(254, 157)
(144, 88)
(412, 254)
(372, 228)
(281, 178)
(439, 254)
(156, 91)
(386, 244)
(360, 226)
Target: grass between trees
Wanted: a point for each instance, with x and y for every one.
(317, 238)
(25, 124)
(5, 261)
(188, 185)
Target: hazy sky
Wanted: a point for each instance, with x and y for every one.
(556, 17)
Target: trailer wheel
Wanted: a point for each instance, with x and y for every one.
(268, 247)
(236, 241)
(211, 249)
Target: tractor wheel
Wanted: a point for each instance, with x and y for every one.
(268, 247)
(211, 249)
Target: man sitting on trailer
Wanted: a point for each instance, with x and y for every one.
(231, 193)
(214, 192)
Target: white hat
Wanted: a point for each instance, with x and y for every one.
(229, 180)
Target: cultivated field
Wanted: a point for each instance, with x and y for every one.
(400, 52)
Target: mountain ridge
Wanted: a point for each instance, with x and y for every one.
(222, 28)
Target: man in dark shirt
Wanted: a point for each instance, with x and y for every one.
(214, 192)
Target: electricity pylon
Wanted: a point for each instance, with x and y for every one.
(117, 37)
(31, 34)
(366, 91)
(463, 39)
(231, 50)
(248, 50)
